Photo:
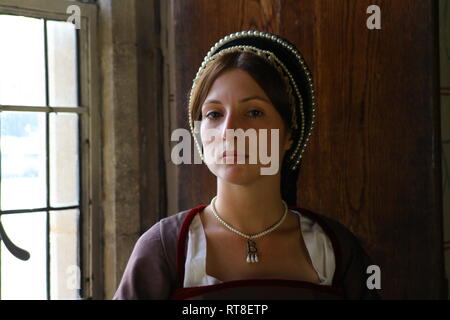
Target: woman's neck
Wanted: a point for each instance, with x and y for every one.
(250, 208)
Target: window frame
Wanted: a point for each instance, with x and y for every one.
(89, 111)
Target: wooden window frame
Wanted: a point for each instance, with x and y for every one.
(90, 131)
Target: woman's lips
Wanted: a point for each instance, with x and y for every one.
(230, 157)
(233, 154)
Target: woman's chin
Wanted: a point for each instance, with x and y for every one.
(237, 173)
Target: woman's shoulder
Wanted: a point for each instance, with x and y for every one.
(332, 227)
(344, 242)
(166, 225)
(151, 269)
(352, 259)
(164, 233)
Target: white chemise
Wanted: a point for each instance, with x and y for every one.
(317, 243)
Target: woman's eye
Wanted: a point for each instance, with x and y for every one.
(255, 113)
(213, 115)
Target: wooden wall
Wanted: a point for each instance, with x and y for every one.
(374, 159)
(444, 44)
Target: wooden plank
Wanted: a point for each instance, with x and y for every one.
(374, 159)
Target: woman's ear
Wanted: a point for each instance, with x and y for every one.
(288, 141)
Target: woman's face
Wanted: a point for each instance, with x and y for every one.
(236, 101)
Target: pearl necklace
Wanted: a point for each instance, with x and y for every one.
(252, 251)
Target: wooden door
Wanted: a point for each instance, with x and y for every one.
(374, 159)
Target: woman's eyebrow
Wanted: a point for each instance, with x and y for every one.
(242, 100)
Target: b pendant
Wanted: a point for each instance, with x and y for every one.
(252, 252)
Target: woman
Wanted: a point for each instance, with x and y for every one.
(247, 243)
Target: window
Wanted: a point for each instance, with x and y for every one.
(48, 166)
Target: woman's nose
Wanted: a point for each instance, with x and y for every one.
(230, 124)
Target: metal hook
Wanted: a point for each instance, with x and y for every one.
(15, 250)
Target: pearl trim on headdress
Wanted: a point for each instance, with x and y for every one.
(273, 60)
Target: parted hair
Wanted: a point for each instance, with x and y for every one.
(269, 79)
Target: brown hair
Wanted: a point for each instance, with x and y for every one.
(270, 80)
